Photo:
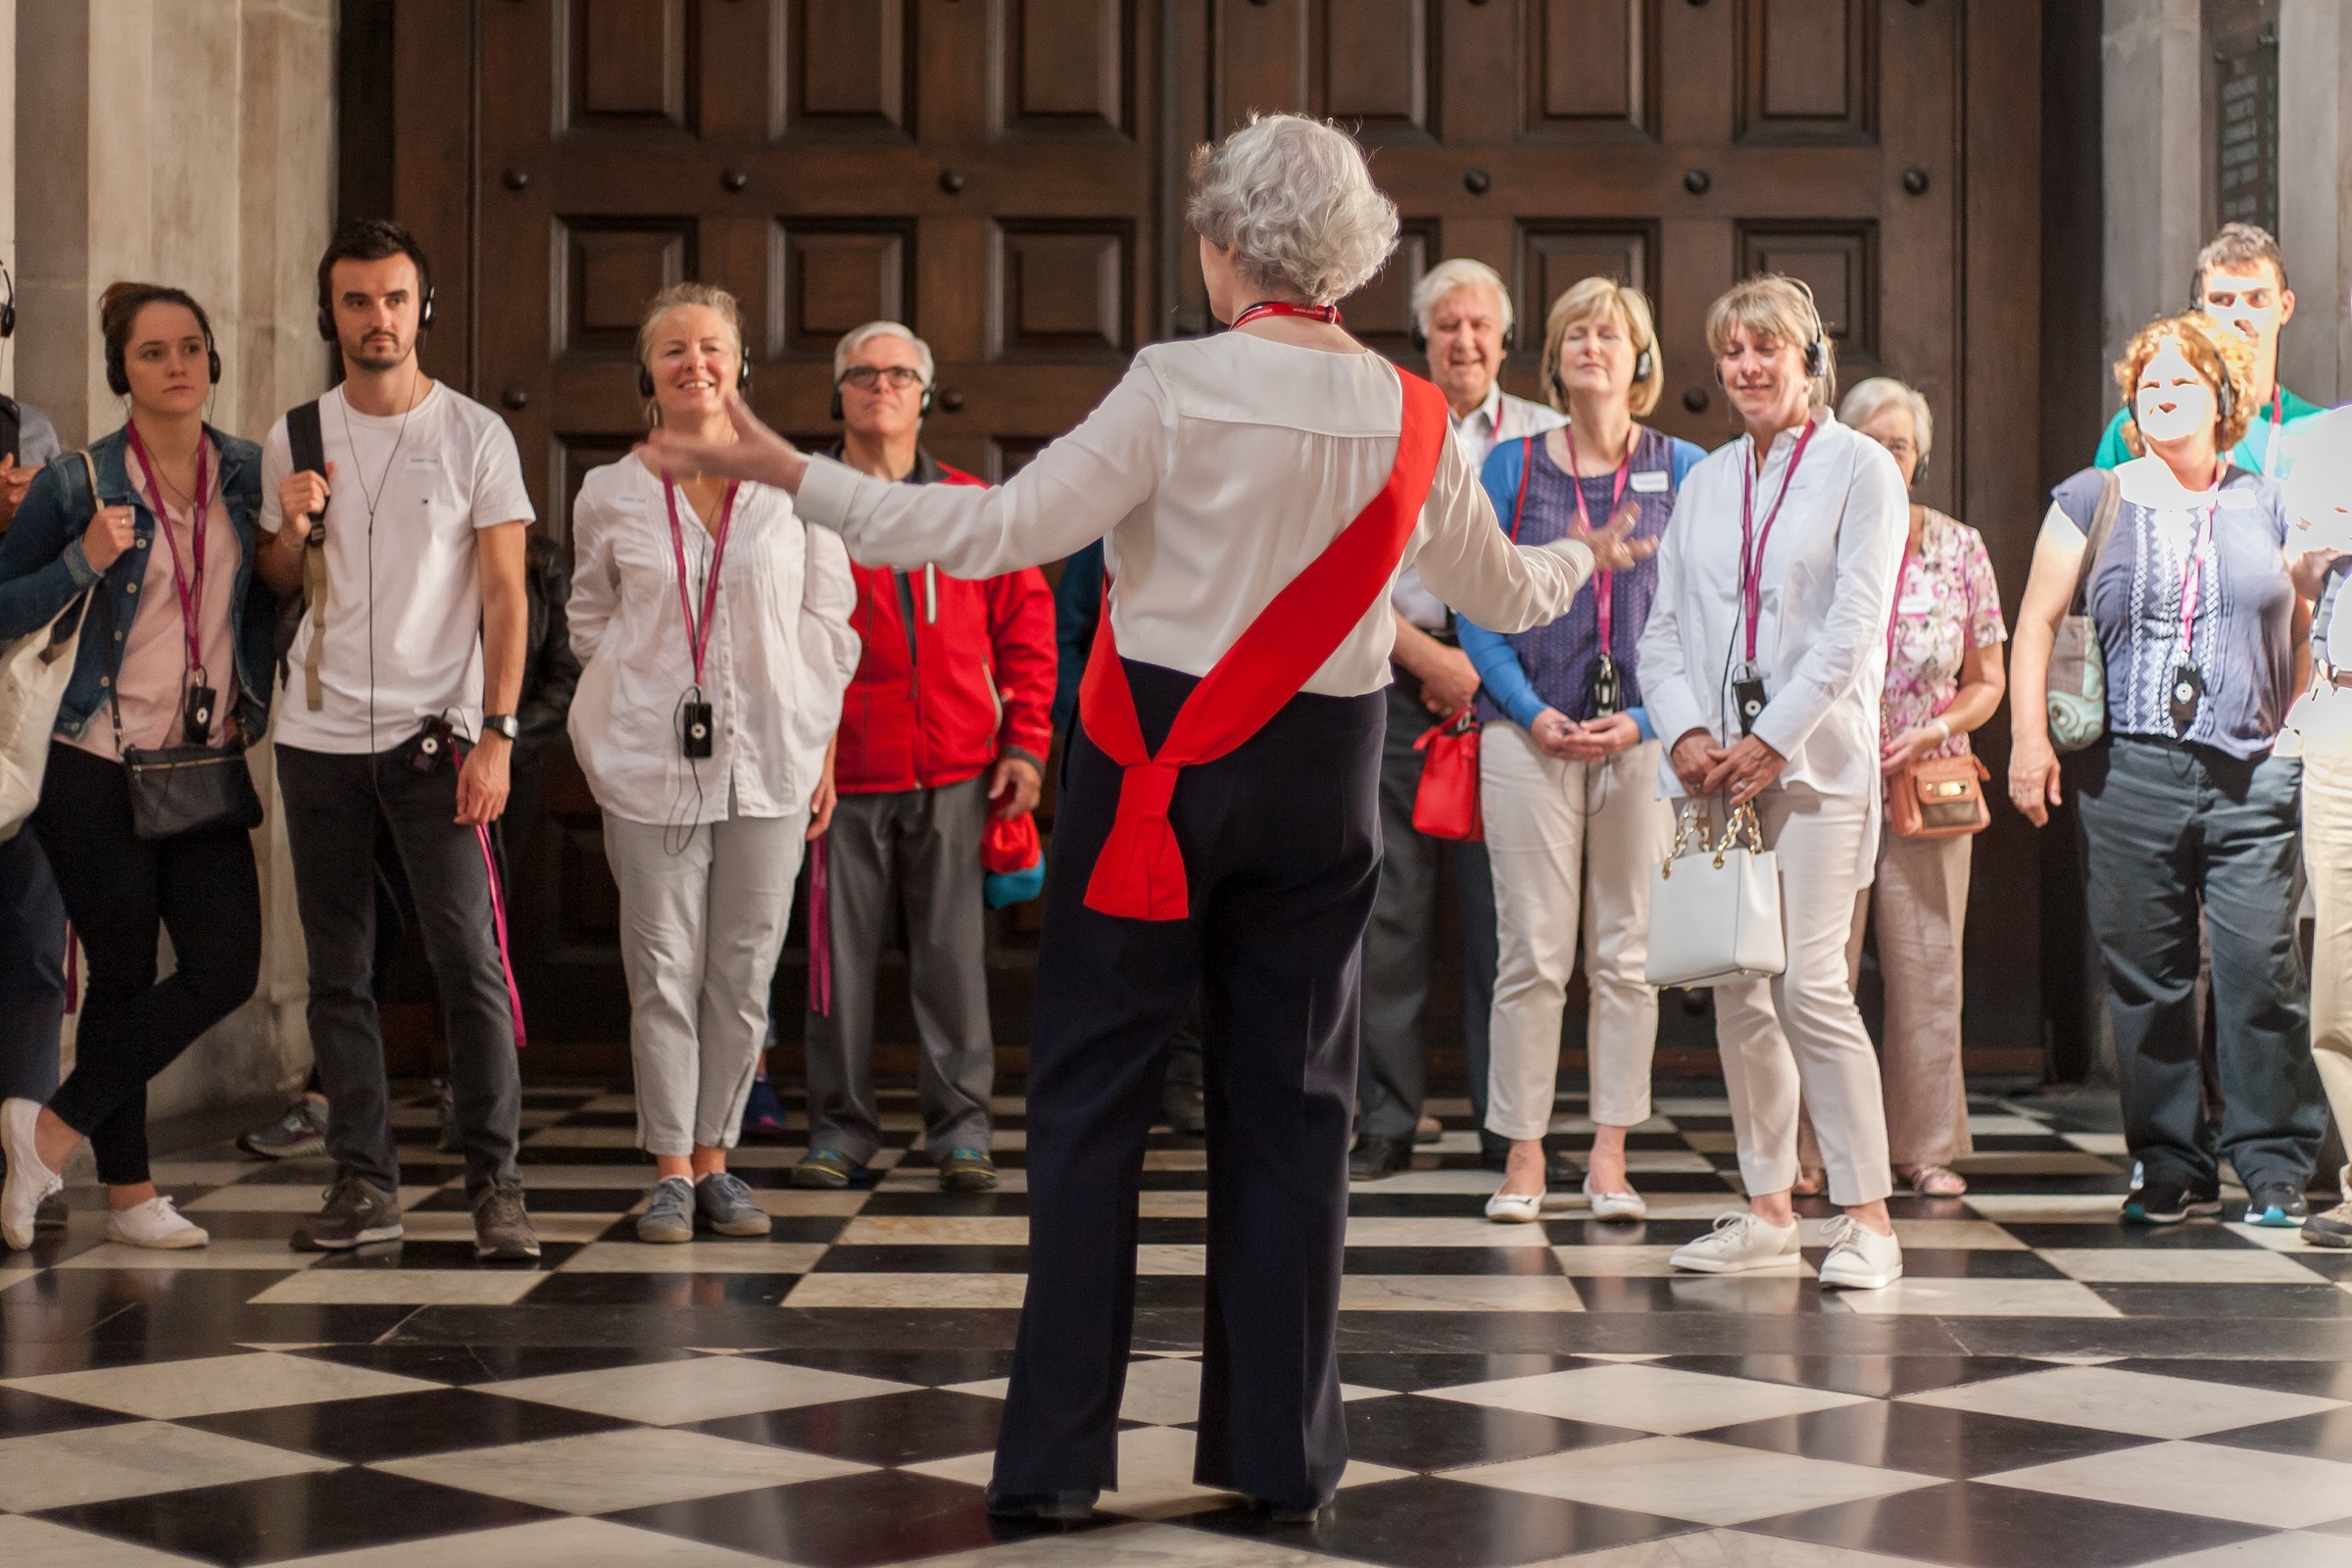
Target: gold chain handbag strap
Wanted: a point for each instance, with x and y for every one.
(1742, 818)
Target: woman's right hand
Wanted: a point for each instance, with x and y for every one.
(109, 534)
(2034, 777)
(1695, 758)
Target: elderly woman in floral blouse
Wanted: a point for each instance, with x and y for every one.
(1943, 679)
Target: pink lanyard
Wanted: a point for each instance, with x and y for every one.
(190, 592)
(1604, 586)
(2192, 575)
(1752, 545)
(698, 631)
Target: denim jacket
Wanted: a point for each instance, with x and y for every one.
(42, 568)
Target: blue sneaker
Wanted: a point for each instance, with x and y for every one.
(967, 1170)
(668, 1217)
(763, 1112)
(2278, 1205)
(830, 1169)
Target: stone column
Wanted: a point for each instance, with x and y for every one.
(2153, 140)
(2315, 194)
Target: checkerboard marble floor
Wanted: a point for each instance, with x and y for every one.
(2044, 1388)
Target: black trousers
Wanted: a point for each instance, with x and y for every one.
(1281, 843)
(201, 888)
(32, 969)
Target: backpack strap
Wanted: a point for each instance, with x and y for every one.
(308, 446)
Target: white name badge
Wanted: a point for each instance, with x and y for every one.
(1650, 483)
(1915, 604)
(422, 460)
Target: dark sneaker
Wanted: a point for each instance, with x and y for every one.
(2278, 1204)
(2330, 1227)
(725, 1202)
(1378, 1157)
(449, 1143)
(967, 1170)
(829, 1168)
(668, 1215)
(501, 1228)
(298, 1133)
(1063, 1507)
(764, 1113)
(358, 1213)
(2167, 1203)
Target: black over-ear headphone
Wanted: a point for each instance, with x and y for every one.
(8, 307)
(1817, 352)
(1643, 363)
(376, 233)
(118, 374)
(743, 380)
(924, 411)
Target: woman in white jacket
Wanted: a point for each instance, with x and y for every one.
(714, 634)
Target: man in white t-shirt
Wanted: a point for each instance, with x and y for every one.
(415, 622)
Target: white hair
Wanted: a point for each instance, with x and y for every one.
(1869, 399)
(858, 337)
(1295, 200)
(1458, 273)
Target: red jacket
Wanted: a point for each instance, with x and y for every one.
(938, 698)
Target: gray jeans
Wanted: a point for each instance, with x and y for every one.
(332, 804)
(919, 850)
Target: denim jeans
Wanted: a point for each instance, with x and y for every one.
(2173, 827)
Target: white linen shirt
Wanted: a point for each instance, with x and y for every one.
(1829, 579)
(1218, 469)
(1501, 418)
(780, 654)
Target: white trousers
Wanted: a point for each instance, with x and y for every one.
(1801, 1028)
(1569, 839)
(2328, 861)
(700, 929)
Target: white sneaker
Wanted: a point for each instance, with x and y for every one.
(156, 1223)
(29, 1180)
(1626, 1204)
(1738, 1243)
(1515, 1208)
(1860, 1259)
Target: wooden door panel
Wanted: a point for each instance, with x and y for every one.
(1592, 71)
(1838, 262)
(1066, 65)
(1381, 312)
(847, 65)
(1063, 290)
(1378, 70)
(629, 65)
(1554, 252)
(1260, 61)
(610, 266)
(839, 273)
(1808, 71)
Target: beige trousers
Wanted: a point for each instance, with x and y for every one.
(1570, 843)
(1800, 1032)
(2327, 862)
(1920, 902)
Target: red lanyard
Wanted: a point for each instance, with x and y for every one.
(1752, 544)
(1604, 587)
(2192, 575)
(1313, 313)
(698, 631)
(189, 587)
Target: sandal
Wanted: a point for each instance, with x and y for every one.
(1935, 1181)
(1810, 1184)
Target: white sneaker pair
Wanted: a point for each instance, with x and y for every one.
(1522, 1208)
(157, 1223)
(1860, 1259)
(29, 1180)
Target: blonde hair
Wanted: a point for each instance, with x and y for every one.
(2223, 357)
(709, 296)
(1294, 199)
(1589, 299)
(1778, 309)
(1869, 399)
(1449, 276)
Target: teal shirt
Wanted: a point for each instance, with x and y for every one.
(2248, 454)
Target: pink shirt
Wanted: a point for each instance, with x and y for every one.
(1946, 607)
(155, 650)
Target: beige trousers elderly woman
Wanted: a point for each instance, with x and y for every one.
(1570, 840)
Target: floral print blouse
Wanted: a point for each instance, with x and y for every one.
(1948, 604)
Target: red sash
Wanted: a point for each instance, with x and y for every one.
(1139, 873)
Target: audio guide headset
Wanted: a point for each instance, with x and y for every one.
(8, 307)
(2224, 395)
(118, 374)
(924, 411)
(1817, 348)
(1643, 363)
(371, 240)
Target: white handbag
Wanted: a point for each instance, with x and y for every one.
(34, 671)
(1715, 913)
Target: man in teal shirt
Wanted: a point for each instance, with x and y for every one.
(2242, 284)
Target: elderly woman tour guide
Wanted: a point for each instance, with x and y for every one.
(713, 629)
(1259, 490)
(1761, 665)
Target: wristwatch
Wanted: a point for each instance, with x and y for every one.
(506, 724)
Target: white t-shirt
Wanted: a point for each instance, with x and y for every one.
(446, 469)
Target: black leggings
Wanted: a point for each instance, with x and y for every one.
(118, 889)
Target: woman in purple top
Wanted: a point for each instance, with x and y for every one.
(1568, 766)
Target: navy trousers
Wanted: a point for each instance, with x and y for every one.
(32, 969)
(1281, 843)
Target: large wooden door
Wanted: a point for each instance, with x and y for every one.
(1008, 177)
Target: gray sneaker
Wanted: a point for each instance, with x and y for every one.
(726, 1203)
(502, 1227)
(358, 1213)
(668, 1215)
(298, 1133)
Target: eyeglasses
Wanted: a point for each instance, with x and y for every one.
(863, 376)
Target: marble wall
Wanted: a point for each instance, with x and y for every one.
(2315, 69)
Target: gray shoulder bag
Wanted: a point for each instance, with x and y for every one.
(2076, 695)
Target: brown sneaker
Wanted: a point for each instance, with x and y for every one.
(357, 1213)
(2330, 1227)
(501, 1230)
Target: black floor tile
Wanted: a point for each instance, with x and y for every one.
(27, 1415)
(410, 1253)
(1427, 1522)
(2265, 1303)
(1924, 1438)
(1414, 1432)
(890, 1428)
(464, 1364)
(397, 1426)
(1882, 1377)
(1169, 1231)
(930, 1200)
(1965, 1263)
(1793, 1292)
(1368, 1201)
(295, 1516)
(921, 1259)
(929, 1367)
(2193, 1235)
(1452, 1260)
(680, 1290)
(2326, 1379)
(881, 1516)
(1569, 1230)
(617, 1199)
(2322, 1435)
(1971, 1525)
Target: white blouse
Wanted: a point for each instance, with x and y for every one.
(1828, 587)
(780, 654)
(1218, 469)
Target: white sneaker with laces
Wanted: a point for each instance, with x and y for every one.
(1860, 1259)
(1515, 1208)
(1625, 1204)
(29, 1180)
(1740, 1243)
(156, 1223)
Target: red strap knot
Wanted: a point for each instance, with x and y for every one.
(1140, 873)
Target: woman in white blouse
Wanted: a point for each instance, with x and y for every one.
(1225, 472)
(713, 633)
(1762, 665)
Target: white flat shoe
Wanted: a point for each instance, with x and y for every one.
(156, 1223)
(1626, 1204)
(1860, 1259)
(29, 1180)
(1515, 1208)
(1737, 1244)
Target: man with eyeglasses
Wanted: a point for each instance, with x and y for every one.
(946, 723)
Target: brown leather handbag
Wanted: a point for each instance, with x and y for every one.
(1940, 797)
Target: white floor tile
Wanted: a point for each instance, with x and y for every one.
(1648, 1399)
(1459, 1293)
(2177, 1265)
(605, 1472)
(2107, 1399)
(1631, 1262)
(38, 1543)
(1179, 1257)
(132, 1459)
(546, 1544)
(258, 1253)
(935, 1230)
(1727, 1548)
(168, 1390)
(1466, 1231)
(403, 1287)
(996, 1292)
(2283, 1491)
(1677, 1478)
(277, 1198)
(1917, 1296)
(670, 1392)
(2289, 1548)
(753, 1256)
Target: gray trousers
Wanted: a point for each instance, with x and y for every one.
(1401, 942)
(702, 924)
(919, 850)
(332, 804)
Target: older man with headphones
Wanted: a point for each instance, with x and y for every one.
(946, 725)
(1464, 326)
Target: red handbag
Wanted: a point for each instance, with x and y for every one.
(1446, 807)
